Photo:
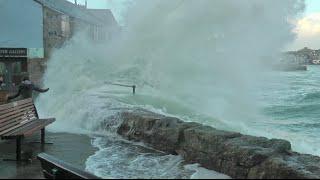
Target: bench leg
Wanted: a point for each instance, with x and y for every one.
(42, 139)
(18, 148)
(18, 151)
(43, 136)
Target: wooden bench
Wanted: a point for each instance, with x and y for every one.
(54, 168)
(20, 119)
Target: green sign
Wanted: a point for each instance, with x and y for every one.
(35, 53)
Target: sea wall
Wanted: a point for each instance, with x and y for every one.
(234, 154)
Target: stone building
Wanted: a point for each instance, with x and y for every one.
(40, 26)
(62, 19)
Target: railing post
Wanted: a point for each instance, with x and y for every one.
(18, 148)
(43, 134)
(134, 89)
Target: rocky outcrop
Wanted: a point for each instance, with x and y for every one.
(234, 154)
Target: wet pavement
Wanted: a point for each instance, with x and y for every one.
(73, 149)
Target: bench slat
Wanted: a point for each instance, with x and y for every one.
(15, 104)
(21, 114)
(10, 121)
(14, 121)
(10, 124)
(4, 112)
(20, 120)
(39, 127)
(30, 128)
(11, 115)
(8, 131)
(21, 127)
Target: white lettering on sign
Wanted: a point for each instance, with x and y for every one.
(17, 52)
(3, 51)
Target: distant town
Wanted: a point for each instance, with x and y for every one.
(304, 56)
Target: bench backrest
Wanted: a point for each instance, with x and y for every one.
(16, 113)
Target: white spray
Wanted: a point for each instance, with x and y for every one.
(196, 59)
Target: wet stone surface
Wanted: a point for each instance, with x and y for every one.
(74, 149)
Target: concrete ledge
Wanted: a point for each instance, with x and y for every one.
(234, 154)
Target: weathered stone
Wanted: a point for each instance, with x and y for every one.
(161, 132)
(295, 166)
(227, 152)
(234, 154)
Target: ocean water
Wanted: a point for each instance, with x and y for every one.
(291, 104)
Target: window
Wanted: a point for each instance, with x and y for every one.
(65, 26)
(2, 68)
(16, 67)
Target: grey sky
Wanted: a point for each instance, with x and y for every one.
(21, 24)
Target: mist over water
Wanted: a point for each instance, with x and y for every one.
(199, 60)
(205, 54)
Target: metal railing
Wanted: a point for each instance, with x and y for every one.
(134, 87)
(54, 168)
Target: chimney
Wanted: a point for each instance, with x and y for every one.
(86, 5)
(75, 2)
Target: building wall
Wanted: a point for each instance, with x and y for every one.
(77, 25)
(59, 28)
(36, 70)
(92, 30)
(56, 30)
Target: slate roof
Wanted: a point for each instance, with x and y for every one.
(73, 10)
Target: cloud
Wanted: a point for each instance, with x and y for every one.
(309, 26)
(308, 32)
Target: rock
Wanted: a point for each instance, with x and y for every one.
(227, 152)
(234, 154)
(295, 166)
(161, 132)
